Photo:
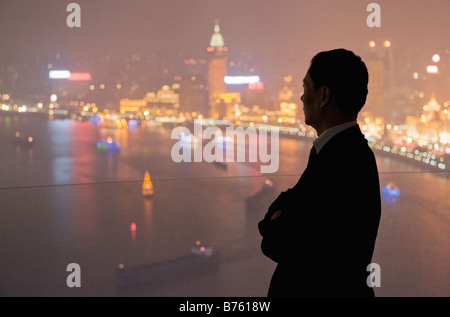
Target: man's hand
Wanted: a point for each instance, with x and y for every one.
(275, 215)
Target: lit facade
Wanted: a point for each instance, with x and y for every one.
(165, 102)
(166, 95)
(375, 97)
(132, 105)
(217, 70)
(228, 105)
(432, 128)
(380, 65)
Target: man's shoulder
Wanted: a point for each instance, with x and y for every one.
(350, 140)
(348, 150)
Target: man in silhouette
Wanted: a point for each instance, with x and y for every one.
(322, 232)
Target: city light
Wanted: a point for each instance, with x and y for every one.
(432, 69)
(59, 74)
(386, 43)
(66, 74)
(256, 86)
(436, 58)
(80, 77)
(372, 44)
(237, 80)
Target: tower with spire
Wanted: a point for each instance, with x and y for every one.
(217, 70)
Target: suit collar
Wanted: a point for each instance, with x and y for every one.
(328, 134)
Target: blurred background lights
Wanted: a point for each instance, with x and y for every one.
(436, 58)
(432, 69)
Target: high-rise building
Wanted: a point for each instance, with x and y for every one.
(380, 65)
(375, 98)
(217, 70)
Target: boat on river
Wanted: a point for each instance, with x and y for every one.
(108, 145)
(200, 261)
(147, 186)
(391, 189)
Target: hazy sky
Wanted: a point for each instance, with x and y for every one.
(285, 34)
(247, 25)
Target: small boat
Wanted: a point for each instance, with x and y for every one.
(201, 260)
(133, 123)
(391, 189)
(268, 184)
(147, 186)
(108, 145)
(23, 140)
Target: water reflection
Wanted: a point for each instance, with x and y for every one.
(47, 223)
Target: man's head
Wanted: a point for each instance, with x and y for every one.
(339, 78)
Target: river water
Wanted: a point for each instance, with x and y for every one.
(64, 201)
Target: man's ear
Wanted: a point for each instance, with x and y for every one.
(326, 95)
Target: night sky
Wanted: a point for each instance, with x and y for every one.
(247, 25)
(286, 33)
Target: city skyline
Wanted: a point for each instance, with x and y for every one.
(399, 84)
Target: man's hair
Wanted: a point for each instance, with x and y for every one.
(345, 74)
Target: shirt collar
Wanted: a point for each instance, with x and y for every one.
(331, 132)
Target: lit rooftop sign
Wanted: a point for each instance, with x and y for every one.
(239, 80)
(79, 76)
(66, 74)
(58, 74)
(432, 69)
(256, 86)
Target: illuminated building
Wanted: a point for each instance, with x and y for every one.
(380, 65)
(165, 102)
(228, 105)
(432, 128)
(372, 127)
(132, 106)
(255, 94)
(430, 110)
(193, 93)
(166, 95)
(217, 70)
(288, 109)
(288, 106)
(375, 97)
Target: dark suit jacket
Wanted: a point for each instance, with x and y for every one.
(325, 236)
